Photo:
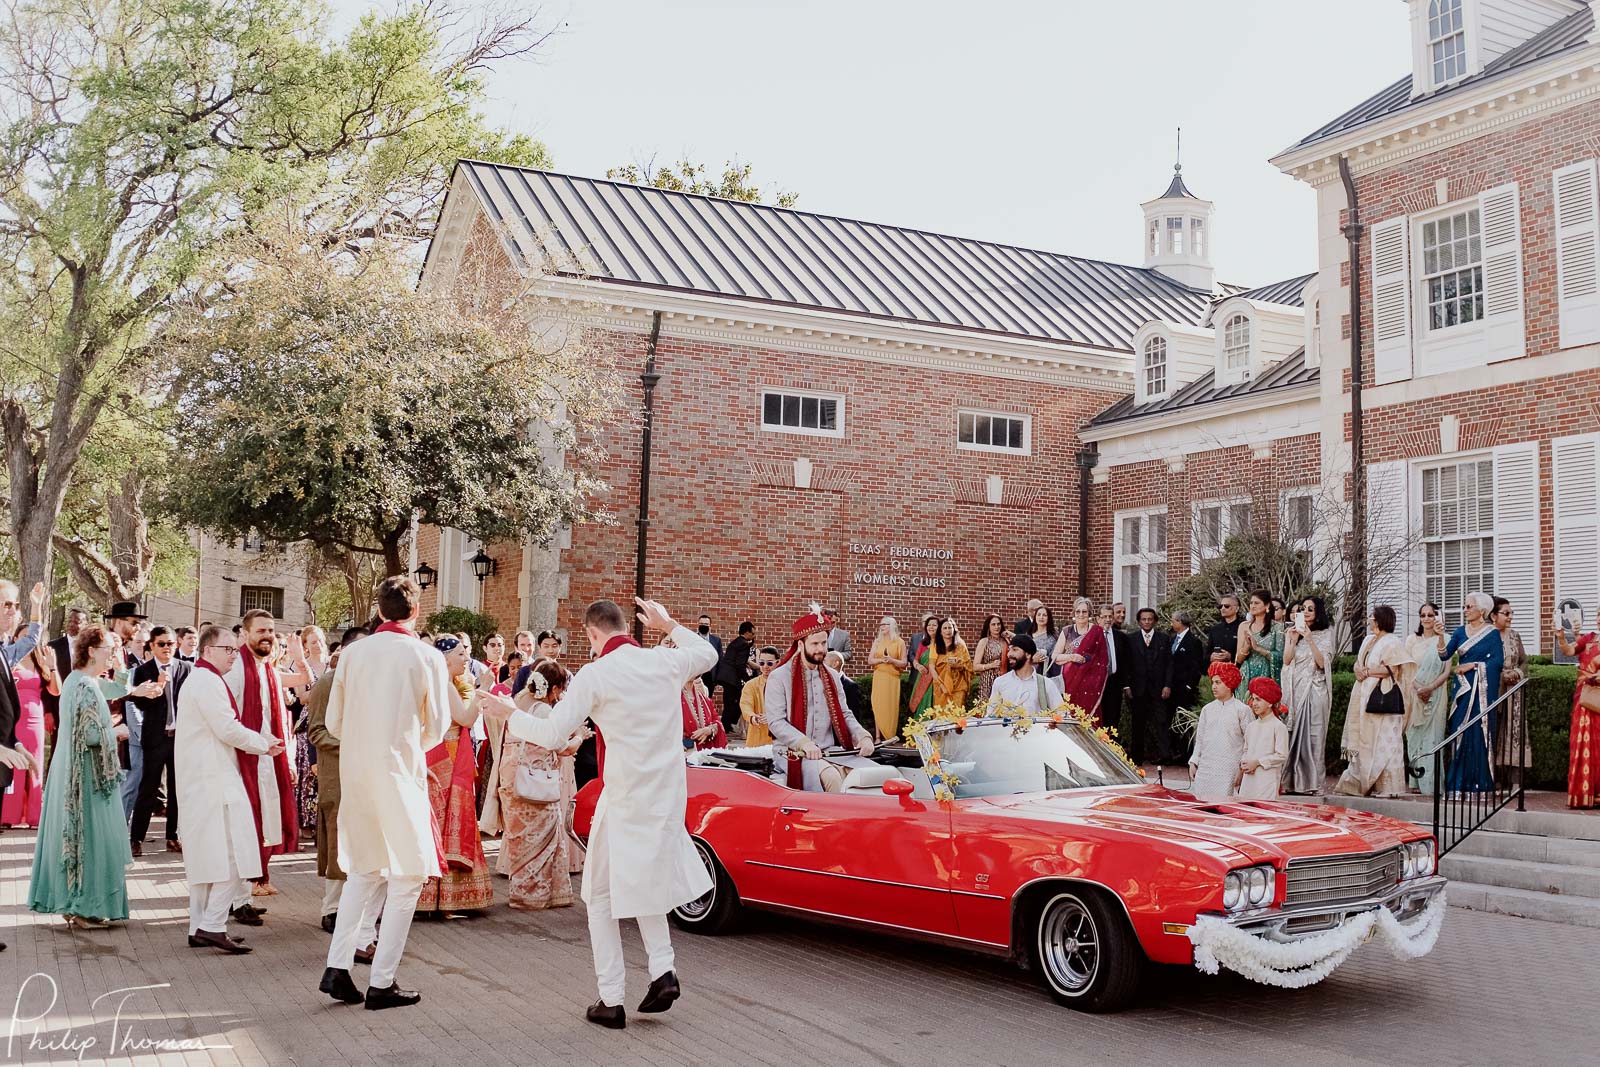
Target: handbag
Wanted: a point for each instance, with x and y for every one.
(538, 784)
(1589, 698)
(1387, 701)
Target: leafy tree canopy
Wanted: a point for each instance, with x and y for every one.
(686, 177)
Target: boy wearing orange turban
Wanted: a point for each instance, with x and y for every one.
(1266, 743)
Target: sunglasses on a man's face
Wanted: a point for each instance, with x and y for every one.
(9, 604)
(163, 644)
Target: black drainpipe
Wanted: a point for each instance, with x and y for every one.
(1088, 459)
(649, 379)
(1353, 231)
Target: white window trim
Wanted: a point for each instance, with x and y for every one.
(1467, 65)
(1006, 450)
(1225, 376)
(1306, 544)
(1453, 348)
(1146, 558)
(1417, 579)
(1143, 379)
(761, 407)
(1224, 525)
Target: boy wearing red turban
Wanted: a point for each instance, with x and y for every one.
(1214, 767)
(1266, 743)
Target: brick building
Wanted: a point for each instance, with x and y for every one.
(1475, 177)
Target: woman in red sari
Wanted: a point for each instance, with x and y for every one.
(452, 790)
(1081, 652)
(702, 725)
(1583, 768)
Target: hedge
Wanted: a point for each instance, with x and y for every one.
(1547, 697)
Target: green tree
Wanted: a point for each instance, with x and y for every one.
(686, 177)
(1247, 562)
(135, 135)
(329, 400)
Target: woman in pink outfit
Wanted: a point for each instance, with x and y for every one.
(35, 676)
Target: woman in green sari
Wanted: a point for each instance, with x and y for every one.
(1427, 725)
(922, 691)
(81, 857)
(1260, 653)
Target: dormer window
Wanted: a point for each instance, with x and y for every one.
(1447, 41)
(1155, 367)
(1236, 348)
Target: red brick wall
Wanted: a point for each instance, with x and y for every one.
(1294, 463)
(722, 542)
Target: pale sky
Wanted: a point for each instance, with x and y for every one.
(1042, 124)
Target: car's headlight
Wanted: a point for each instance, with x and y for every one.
(1251, 887)
(1419, 861)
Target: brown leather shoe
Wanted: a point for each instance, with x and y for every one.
(364, 955)
(211, 939)
(174, 846)
(138, 848)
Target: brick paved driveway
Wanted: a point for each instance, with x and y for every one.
(509, 987)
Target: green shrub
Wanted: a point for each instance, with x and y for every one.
(454, 620)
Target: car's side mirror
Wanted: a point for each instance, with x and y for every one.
(898, 787)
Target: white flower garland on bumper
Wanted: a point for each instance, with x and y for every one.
(1297, 964)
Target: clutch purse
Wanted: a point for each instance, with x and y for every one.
(538, 784)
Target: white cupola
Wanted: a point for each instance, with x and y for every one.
(1178, 233)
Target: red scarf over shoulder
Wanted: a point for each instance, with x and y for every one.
(798, 710)
(252, 716)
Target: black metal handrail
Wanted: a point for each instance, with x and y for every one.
(1456, 814)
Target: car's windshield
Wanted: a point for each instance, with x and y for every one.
(993, 758)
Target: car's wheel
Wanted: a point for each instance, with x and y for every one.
(718, 910)
(1085, 952)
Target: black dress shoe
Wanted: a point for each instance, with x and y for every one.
(210, 939)
(337, 984)
(662, 992)
(328, 922)
(610, 1016)
(245, 915)
(392, 997)
(364, 955)
(137, 848)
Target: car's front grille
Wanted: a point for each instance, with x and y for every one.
(1341, 879)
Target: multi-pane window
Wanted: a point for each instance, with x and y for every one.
(253, 543)
(1458, 533)
(1447, 41)
(1214, 523)
(1155, 366)
(1141, 563)
(1452, 267)
(1175, 236)
(1299, 524)
(802, 413)
(985, 431)
(1197, 237)
(262, 598)
(1155, 237)
(1236, 344)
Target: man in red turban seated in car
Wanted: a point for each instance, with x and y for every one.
(806, 709)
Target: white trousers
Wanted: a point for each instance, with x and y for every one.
(363, 898)
(209, 903)
(605, 934)
(331, 890)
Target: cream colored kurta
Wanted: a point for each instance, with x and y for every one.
(633, 696)
(389, 705)
(216, 810)
(1266, 740)
(266, 775)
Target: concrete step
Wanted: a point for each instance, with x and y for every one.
(1530, 848)
(1572, 826)
(1556, 878)
(1576, 911)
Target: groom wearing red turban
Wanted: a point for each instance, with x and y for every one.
(805, 704)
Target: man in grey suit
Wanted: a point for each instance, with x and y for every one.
(838, 637)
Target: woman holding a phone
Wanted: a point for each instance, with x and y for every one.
(1308, 691)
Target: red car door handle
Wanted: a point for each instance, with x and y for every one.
(792, 811)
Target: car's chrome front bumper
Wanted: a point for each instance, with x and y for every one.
(1406, 901)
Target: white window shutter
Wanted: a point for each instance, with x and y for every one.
(1516, 537)
(1391, 302)
(1117, 592)
(1578, 254)
(1389, 536)
(1501, 223)
(1577, 521)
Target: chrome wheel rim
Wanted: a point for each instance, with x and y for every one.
(1069, 945)
(698, 908)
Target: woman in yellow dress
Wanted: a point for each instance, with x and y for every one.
(952, 666)
(888, 662)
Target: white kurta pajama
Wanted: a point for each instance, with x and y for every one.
(389, 705)
(819, 722)
(219, 839)
(641, 863)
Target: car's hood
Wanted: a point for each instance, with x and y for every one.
(1254, 830)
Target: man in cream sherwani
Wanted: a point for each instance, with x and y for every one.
(388, 706)
(220, 848)
(641, 863)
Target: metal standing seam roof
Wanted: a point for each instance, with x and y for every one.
(637, 235)
(1289, 371)
(1289, 292)
(1570, 32)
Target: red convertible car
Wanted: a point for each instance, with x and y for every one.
(1037, 842)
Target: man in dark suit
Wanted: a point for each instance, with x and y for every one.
(1187, 662)
(1119, 676)
(733, 670)
(156, 732)
(1223, 637)
(1149, 663)
(710, 677)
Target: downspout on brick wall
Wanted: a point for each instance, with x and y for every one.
(1355, 604)
(648, 378)
(1088, 459)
